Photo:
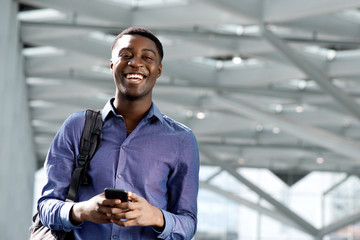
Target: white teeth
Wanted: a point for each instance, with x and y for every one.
(138, 76)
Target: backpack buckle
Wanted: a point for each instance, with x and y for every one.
(82, 159)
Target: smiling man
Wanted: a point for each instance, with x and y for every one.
(142, 151)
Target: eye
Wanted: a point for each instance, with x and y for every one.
(148, 58)
(125, 55)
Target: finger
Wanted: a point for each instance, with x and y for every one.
(128, 215)
(105, 210)
(110, 202)
(118, 212)
(134, 197)
(123, 206)
(130, 194)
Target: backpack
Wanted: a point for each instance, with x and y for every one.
(89, 143)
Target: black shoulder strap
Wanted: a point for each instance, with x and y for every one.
(89, 143)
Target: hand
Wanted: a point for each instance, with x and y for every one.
(138, 212)
(94, 210)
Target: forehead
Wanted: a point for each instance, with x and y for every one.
(135, 42)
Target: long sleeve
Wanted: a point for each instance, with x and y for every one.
(59, 165)
(181, 215)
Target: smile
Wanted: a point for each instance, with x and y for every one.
(134, 76)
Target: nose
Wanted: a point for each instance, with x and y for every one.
(135, 62)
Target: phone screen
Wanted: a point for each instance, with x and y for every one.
(113, 193)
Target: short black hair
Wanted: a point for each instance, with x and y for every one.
(143, 32)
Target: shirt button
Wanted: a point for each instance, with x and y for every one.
(114, 237)
(123, 147)
(119, 175)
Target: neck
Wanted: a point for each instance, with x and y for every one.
(132, 111)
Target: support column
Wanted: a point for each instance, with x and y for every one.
(17, 155)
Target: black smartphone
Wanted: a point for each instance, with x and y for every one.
(113, 193)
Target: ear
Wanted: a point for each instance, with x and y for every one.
(111, 65)
(159, 70)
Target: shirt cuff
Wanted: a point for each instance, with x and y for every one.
(169, 224)
(65, 216)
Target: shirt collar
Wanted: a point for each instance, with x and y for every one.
(153, 113)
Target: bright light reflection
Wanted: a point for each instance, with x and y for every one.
(279, 108)
(200, 115)
(320, 160)
(241, 161)
(276, 130)
(237, 60)
(299, 109)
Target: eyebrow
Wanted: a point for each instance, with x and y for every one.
(144, 50)
(150, 50)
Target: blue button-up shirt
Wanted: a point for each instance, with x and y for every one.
(159, 161)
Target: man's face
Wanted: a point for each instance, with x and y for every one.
(135, 64)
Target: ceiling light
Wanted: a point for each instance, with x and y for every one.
(200, 115)
(279, 108)
(331, 54)
(276, 130)
(239, 30)
(219, 65)
(259, 128)
(320, 160)
(241, 161)
(299, 109)
(46, 14)
(189, 114)
(42, 51)
(302, 84)
(237, 60)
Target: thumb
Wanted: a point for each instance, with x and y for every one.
(134, 197)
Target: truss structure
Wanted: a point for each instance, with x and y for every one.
(269, 84)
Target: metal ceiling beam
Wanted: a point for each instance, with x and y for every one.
(317, 75)
(73, 40)
(193, 13)
(317, 136)
(94, 9)
(251, 9)
(77, 38)
(251, 76)
(345, 66)
(256, 207)
(280, 158)
(323, 26)
(190, 14)
(339, 224)
(41, 65)
(302, 223)
(36, 33)
(289, 10)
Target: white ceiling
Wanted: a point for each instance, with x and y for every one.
(260, 110)
(263, 83)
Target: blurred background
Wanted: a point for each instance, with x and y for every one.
(271, 89)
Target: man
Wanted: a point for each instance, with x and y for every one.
(142, 150)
